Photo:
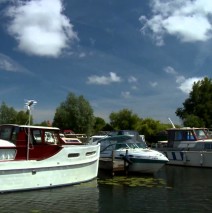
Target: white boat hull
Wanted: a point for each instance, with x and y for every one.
(72, 165)
(146, 168)
(189, 158)
(139, 160)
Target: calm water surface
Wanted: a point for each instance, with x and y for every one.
(172, 190)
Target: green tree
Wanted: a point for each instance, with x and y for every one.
(99, 124)
(124, 119)
(7, 114)
(197, 107)
(150, 128)
(193, 121)
(75, 113)
(22, 117)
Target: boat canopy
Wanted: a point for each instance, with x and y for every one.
(121, 141)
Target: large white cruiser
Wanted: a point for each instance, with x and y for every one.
(188, 147)
(34, 157)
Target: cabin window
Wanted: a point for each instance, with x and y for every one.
(5, 133)
(107, 144)
(73, 155)
(90, 153)
(183, 136)
(36, 134)
(121, 146)
(51, 137)
(200, 134)
(178, 136)
(189, 136)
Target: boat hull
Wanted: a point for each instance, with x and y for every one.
(137, 160)
(72, 165)
(146, 166)
(189, 158)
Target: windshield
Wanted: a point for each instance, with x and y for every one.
(200, 134)
(130, 145)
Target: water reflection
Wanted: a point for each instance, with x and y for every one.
(77, 198)
(172, 189)
(178, 189)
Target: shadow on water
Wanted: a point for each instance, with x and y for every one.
(171, 190)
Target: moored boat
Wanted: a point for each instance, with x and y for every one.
(188, 147)
(139, 157)
(35, 157)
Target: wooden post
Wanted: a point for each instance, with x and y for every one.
(126, 164)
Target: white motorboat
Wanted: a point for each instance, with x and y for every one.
(139, 157)
(35, 157)
(188, 147)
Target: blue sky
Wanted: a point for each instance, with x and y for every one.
(135, 54)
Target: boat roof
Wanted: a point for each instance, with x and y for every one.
(118, 138)
(187, 128)
(31, 126)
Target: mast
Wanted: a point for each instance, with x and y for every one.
(171, 123)
(29, 104)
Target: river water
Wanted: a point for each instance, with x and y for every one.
(171, 190)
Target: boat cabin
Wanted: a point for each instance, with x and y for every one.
(22, 142)
(186, 137)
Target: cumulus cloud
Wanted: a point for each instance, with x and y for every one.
(9, 65)
(104, 80)
(132, 79)
(40, 27)
(189, 20)
(170, 70)
(153, 84)
(125, 94)
(185, 85)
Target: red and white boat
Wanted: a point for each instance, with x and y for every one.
(35, 157)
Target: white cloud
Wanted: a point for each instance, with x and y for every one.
(125, 94)
(82, 55)
(180, 79)
(132, 79)
(9, 65)
(104, 80)
(170, 70)
(134, 87)
(187, 84)
(40, 27)
(153, 84)
(188, 20)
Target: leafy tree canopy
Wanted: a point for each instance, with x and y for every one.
(124, 119)
(196, 110)
(151, 129)
(8, 115)
(99, 124)
(74, 113)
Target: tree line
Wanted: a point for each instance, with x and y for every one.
(76, 113)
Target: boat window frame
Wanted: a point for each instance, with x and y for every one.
(54, 136)
(12, 134)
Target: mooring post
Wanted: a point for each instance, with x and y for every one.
(113, 157)
(126, 163)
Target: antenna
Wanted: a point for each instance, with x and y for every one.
(30, 104)
(171, 123)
